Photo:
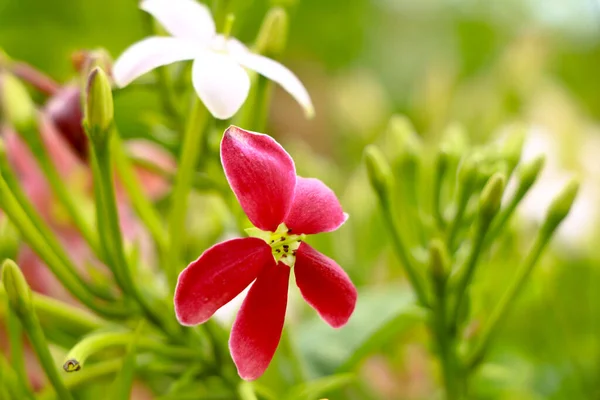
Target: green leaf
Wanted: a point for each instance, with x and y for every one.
(315, 389)
(381, 314)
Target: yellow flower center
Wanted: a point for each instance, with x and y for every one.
(283, 242)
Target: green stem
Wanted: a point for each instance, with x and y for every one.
(438, 181)
(83, 224)
(38, 342)
(113, 239)
(143, 207)
(469, 271)
(9, 382)
(38, 243)
(508, 299)
(99, 342)
(504, 215)
(45, 231)
(398, 242)
(90, 374)
(191, 149)
(463, 199)
(15, 340)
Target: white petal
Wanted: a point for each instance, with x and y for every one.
(278, 73)
(148, 54)
(221, 83)
(182, 18)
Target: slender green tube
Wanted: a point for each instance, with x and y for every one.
(83, 224)
(15, 340)
(90, 374)
(63, 313)
(141, 204)
(43, 228)
(114, 240)
(191, 149)
(508, 299)
(37, 242)
(98, 342)
(20, 302)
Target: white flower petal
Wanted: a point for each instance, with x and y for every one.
(221, 83)
(182, 18)
(278, 73)
(148, 54)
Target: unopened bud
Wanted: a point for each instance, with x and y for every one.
(513, 146)
(468, 171)
(378, 169)
(9, 239)
(406, 144)
(64, 110)
(272, 37)
(17, 290)
(491, 197)
(16, 105)
(455, 142)
(439, 261)
(560, 206)
(529, 172)
(99, 110)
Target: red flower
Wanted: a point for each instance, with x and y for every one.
(284, 208)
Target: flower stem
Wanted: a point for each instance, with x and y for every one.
(90, 374)
(61, 313)
(34, 331)
(401, 251)
(508, 299)
(99, 342)
(113, 239)
(83, 224)
(191, 149)
(38, 243)
(467, 275)
(10, 387)
(15, 340)
(140, 202)
(44, 230)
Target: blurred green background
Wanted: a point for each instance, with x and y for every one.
(485, 64)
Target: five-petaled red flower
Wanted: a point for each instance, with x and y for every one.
(284, 208)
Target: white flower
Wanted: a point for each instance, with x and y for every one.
(218, 73)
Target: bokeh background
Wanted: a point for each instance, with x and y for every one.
(483, 64)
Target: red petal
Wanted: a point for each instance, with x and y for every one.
(219, 275)
(315, 208)
(261, 174)
(257, 328)
(324, 285)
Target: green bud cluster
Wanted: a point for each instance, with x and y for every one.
(469, 211)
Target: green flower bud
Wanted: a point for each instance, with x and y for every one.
(18, 292)
(491, 197)
(560, 206)
(468, 171)
(379, 171)
(98, 109)
(513, 146)
(272, 37)
(405, 144)
(16, 105)
(439, 261)
(528, 173)
(9, 239)
(455, 142)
